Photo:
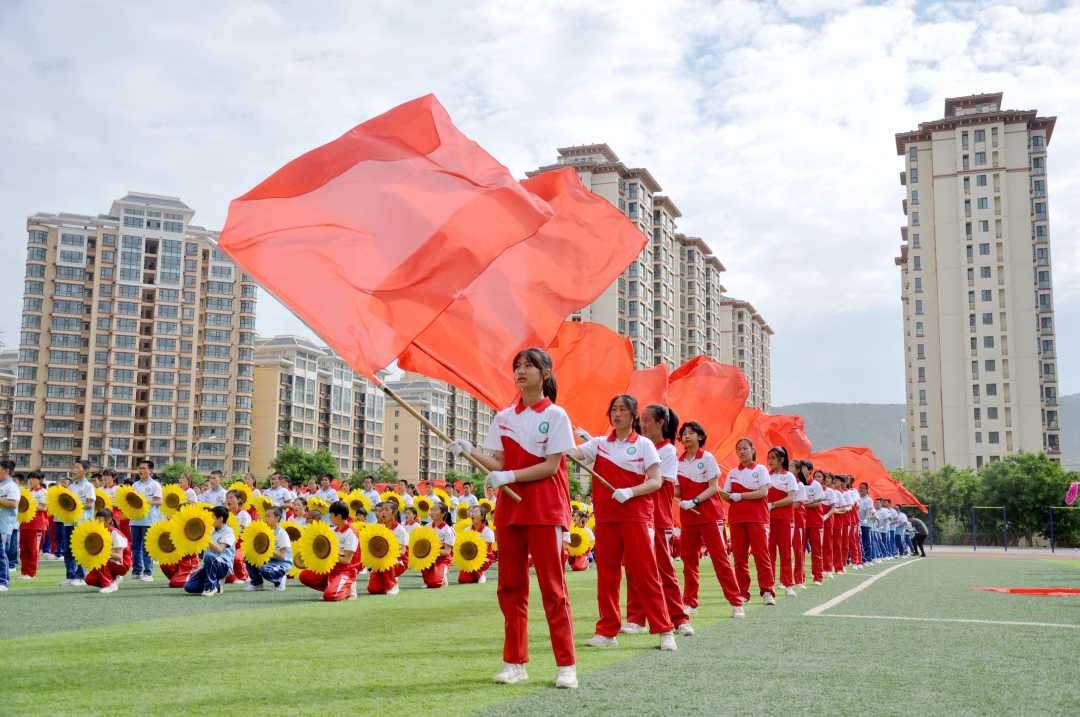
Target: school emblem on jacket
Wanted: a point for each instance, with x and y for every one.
(701, 464)
(545, 427)
(631, 450)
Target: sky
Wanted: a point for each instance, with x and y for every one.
(769, 124)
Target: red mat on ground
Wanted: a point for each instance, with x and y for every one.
(1051, 592)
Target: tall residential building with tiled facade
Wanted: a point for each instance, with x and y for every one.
(138, 339)
(8, 365)
(977, 292)
(305, 395)
(748, 347)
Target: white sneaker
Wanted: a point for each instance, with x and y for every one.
(768, 599)
(3, 588)
(111, 589)
(26, 577)
(738, 611)
(77, 582)
(632, 628)
(802, 586)
(601, 641)
(511, 674)
(686, 629)
(119, 579)
(790, 592)
(818, 583)
(689, 610)
(566, 678)
(283, 584)
(210, 592)
(667, 642)
(365, 571)
(148, 578)
(394, 590)
(254, 588)
(481, 580)
(352, 592)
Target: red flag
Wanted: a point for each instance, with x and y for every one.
(649, 385)
(787, 432)
(368, 238)
(865, 467)
(592, 365)
(711, 393)
(523, 298)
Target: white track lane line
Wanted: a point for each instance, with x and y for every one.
(960, 620)
(816, 611)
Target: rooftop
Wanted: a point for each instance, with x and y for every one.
(975, 110)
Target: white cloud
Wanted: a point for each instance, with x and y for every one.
(769, 124)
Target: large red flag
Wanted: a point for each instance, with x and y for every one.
(711, 393)
(865, 467)
(593, 364)
(649, 385)
(368, 238)
(522, 299)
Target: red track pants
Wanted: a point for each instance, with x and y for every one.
(335, 585)
(816, 536)
(545, 544)
(178, 573)
(747, 538)
(781, 535)
(798, 553)
(103, 577)
(474, 575)
(711, 536)
(29, 550)
(631, 543)
(239, 568)
(827, 545)
(839, 544)
(379, 583)
(579, 563)
(435, 576)
(669, 585)
(856, 543)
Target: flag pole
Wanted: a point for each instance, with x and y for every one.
(382, 386)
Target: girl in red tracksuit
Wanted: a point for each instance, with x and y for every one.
(815, 521)
(701, 516)
(624, 523)
(798, 541)
(234, 501)
(340, 583)
(747, 487)
(580, 563)
(107, 577)
(437, 575)
(529, 440)
(479, 524)
(31, 534)
(781, 498)
(659, 424)
(384, 582)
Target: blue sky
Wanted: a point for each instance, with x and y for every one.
(770, 124)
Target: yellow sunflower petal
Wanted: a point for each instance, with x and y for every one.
(91, 544)
(422, 504)
(102, 501)
(131, 503)
(379, 548)
(462, 511)
(424, 547)
(173, 498)
(442, 496)
(27, 506)
(317, 505)
(160, 545)
(294, 530)
(63, 504)
(318, 547)
(462, 525)
(470, 551)
(388, 495)
(262, 503)
(243, 488)
(357, 500)
(579, 542)
(490, 505)
(258, 543)
(193, 526)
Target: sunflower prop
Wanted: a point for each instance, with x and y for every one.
(173, 498)
(193, 526)
(442, 496)
(27, 506)
(160, 545)
(298, 565)
(258, 543)
(591, 523)
(579, 542)
(462, 525)
(462, 511)
(293, 530)
(131, 503)
(360, 527)
(91, 544)
(63, 504)
(379, 548)
(318, 505)
(470, 551)
(424, 547)
(242, 487)
(319, 547)
(342, 495)
(577, 506)
(102, 501)
(262, 504)
(423, 505)
(490, 505)
(356, 501)
(388, 495)
(233, 523)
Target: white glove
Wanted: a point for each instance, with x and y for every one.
(687, 504)
(584, 435)
(460, 446)
(497, 479)
(736, 497)
(770, 506)
(676, 532)
(621, 495)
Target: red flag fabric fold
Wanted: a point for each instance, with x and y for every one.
(711, 393)
(649, 385)
(369, 237)
(865, 466)
(592, 365)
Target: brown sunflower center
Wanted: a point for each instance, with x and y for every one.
(67, 502)
(422, 548)
(194, 529)
(469, 550)
(379, 546)
(321, 547)
(294, 532)
(24, 504)
(165, 543)
(299, 561)
(99, 503)
(261, 543)
(575, 540)
(172, 500)
(134, 500)
(94, 544)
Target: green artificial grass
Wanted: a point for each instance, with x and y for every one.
(149, 650)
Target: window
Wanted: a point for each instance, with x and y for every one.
(992, 413)
(982, 203)
(984, 272)
(980, 135)
(984, 249)
(984, 225)
(980, 158)
(918, 285)
(987, 295)
(990, 365)
(980, 180)
(914, 219)
(914, 196)
(916, 262)
(988, 318)
(993, 437)
(991, 389)
(918, 306)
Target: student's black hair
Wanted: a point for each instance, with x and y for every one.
(696, 428)
(797, 470)
(664, 415)
(339, 509)
(443, 510)
(864, 483)
(108, 472)
(239, 495)
(36, 474)
(219, 474)
(84, 463)
(412, 510)
(221, 511)
(781, 454)
(631, 405)
(753, 448)
(326, 475)
(107, 515)
(541, 360)
(276, 510)
(8, 465)
(147, 462)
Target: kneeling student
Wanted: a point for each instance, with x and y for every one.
(108, 576)
(436, 575)
(277, 568)
(384, 582)
(217, 560)
(340, 582)
(480, 525)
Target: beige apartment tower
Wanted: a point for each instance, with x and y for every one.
(977, 293)
(138, 340)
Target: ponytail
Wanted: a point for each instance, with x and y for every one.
(540, 359)
(664, 415)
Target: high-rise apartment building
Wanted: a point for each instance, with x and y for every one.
(307, 396)
(138, 340)
(977, 294)
(9, 361)
(748, 347)
(667, 348)
(698, 272)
